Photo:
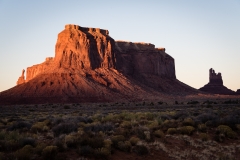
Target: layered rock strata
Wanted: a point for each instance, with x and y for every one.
(90, 66)
(215, 84)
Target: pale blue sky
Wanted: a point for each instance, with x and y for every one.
(199, 35)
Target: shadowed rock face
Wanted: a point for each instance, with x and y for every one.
(90, 66)
(238, 91)
(215, 84)
(144, 58)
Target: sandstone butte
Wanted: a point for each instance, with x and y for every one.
(90, 66)
(215, 85)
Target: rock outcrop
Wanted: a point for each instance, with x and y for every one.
(90, 66)
(215, 84)
(21, 79)
(84, 48)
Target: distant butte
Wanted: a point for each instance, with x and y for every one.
(215, 85)
(238, 91)
(90, 66)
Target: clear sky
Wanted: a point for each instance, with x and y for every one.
(199, 35)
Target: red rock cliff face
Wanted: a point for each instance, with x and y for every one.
(37, 69)
(84, 48)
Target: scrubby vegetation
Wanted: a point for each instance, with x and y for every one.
(52, 131)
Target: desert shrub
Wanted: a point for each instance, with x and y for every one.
(39, 127)
(188, 122)
(165, 117)
(158, 133)
(143, 133)
(123, 131)
(84, 119)
(3, 135)
(85, 151)
(19, 125)
(3, 121)
(110, 118)
(116, 139)
(134, 140)
(169, 124)
(171, 131)
(14, 135)
(231, 134)
(186, 130)
(97, 127)
(126, 124)
(153, 125)
(57, 121)
(202, 127)
(148, 136)
(124, 146)
(227, 131)
(212, 123)
(9, 141)
(203, 118)
(230, 120)
(97, 117)
(60, 144)
(150, 116)
(70, 141)
(107, 143)
(180, 115)
(39, 148)
(27, 141)
(223, 129)
(49, 152)
(95, 141)
(102, 153)
(25, 153)
(204, 136)
(141, 150)
(64, 128)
